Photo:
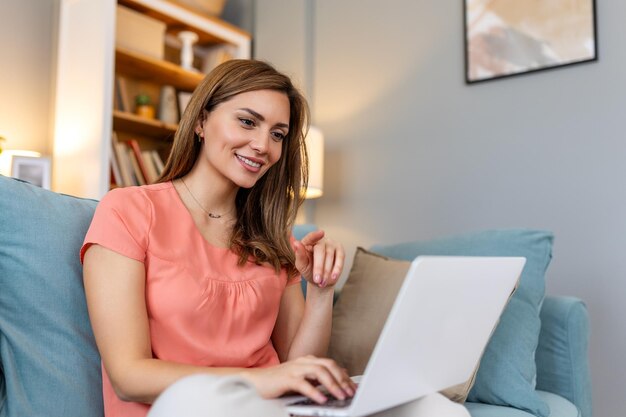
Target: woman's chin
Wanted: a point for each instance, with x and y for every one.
(246, 183)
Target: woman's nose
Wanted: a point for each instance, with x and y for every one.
(260, 142)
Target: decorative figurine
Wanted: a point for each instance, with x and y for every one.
(186, 52)
(168, 107)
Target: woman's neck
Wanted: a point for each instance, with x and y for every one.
(214, 197)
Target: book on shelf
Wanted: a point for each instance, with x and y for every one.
(116, 98)
(116, 175)
(126, 170)
(134, 162)
(131, 165)
(122, 96)
(136, 150)
(158, 162)
(112, 183)
(151, 172)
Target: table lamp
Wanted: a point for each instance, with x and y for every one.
(314, 141)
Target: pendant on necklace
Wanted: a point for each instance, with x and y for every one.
(215, 216)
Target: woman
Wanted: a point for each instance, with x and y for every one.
(197, 274)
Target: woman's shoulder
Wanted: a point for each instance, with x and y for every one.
(134, 201)
(138, 193)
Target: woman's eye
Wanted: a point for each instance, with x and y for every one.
(278, 135)
(247, 122)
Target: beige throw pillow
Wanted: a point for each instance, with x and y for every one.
(362, 309)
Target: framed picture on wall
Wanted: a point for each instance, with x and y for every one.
(512, 37)
(34, 169)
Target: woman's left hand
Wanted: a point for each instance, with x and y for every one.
(319, 260)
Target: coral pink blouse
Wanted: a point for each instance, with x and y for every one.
(203, 308)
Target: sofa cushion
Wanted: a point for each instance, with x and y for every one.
(362, 309)
(49, 358)
(507, 373)
(559, 407)
(490, 410)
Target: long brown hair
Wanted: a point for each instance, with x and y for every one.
(267, 211)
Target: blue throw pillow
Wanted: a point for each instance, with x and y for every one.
(507, 373)
(49, 360)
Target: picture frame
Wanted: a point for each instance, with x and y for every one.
(504, 38)
(33, 169)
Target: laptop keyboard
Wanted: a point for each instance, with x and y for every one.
(332, 402)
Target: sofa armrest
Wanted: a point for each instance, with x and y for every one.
(562, 353)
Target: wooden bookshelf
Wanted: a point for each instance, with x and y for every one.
(141, 73)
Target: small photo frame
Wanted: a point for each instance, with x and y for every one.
(512, 37)
(33, 169)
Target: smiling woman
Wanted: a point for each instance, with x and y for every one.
(203, 261)
(242, 115)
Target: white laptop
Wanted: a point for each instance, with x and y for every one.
(434, 335)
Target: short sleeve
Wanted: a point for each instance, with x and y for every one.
(121, 223)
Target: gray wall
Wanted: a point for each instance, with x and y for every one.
(240, 13)
(27, 44)
(414, 153)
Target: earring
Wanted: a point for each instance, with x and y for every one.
(198, 136)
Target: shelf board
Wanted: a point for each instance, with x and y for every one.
(177, 17)
(146, 68)
(131, 123)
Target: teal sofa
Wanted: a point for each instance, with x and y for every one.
(50, 365)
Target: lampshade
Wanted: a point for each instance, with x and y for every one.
(315, 149)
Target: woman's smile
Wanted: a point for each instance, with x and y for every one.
(253, 164)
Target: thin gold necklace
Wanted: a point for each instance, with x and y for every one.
(211, 215)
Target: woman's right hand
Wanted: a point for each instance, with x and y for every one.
(302, 375)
